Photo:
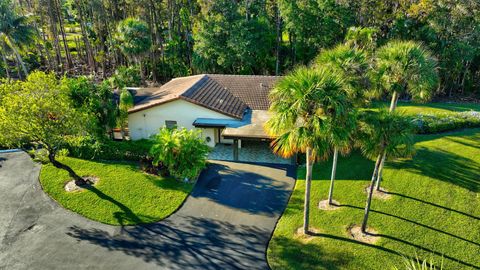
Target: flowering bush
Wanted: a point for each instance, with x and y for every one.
(435, 123)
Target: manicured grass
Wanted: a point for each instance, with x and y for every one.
(124, 195)
(434, 210)
(410, 108)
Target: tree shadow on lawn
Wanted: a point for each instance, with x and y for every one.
(414, 222)
(434, 204)
(416, 245)
(126, 216)
(293, 254)
(186, 242)
(444, 166)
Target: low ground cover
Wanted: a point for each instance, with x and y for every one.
(124, 194)
(434, 210)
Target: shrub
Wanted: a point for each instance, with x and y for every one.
(87, 147)
(125, 77)
(183, 152)
(435, 123)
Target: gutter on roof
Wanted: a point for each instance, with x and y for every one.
(134, 110)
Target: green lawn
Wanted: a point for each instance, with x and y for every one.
(432, 107)
(434, 211)
(124, 195)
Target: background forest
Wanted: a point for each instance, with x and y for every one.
(184, 37)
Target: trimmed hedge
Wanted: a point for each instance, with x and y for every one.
(441, 122)
(89, 148)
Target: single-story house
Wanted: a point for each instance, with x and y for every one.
(229, 109)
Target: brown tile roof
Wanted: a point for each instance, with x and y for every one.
(227, 94)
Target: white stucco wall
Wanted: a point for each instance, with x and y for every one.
(145, 123)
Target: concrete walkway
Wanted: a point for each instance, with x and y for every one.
(225, 223)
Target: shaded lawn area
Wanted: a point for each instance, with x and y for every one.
(410, 108)
(123, 196)
(434, 210)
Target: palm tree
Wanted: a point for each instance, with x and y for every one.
(404, 67)
(301, 104)
(134, 40)
(349, 63)
(383, 132)
(15, 32)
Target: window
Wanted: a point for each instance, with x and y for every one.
(170, 124)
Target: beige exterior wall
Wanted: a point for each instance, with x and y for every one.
(145, 123)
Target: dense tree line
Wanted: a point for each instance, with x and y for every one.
(242, 36)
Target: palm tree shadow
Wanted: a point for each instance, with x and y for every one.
(414, 222)
(442, 165)
(431, 251)
(434, 204)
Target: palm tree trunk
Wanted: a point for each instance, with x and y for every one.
(18, 56)
(332, 178)
(370, 194)
(308, 183)
(5, 62)
(394, 101)
(380, 171)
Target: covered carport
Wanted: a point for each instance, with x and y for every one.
(244, 140)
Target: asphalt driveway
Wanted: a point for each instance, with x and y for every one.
(225, 223)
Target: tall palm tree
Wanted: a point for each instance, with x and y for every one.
(15, 32)
(349, 63)
(301, 104)
(404, 67)
(383, 132)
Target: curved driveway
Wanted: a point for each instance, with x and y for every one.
(225, 223)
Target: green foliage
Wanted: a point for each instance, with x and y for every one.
(314, 24)
(125, 77)
(382, 130)
(39, 110)
(305, 106)
(362, 38)
(87, 147)
(96, 100)
(228, 42)
(133, 196)
(182, 151)
(133, 37)
(352, 64)
(418, 264)
(125, 103)
(405, 67)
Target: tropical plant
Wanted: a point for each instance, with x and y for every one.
(39, 111)
(418, 264)
(183, 152)
(15, 32)
(404, 67)
(97, 100)
(125, 103)
(383, 132)
(134, 40)
(301, 105)
(349, 63)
